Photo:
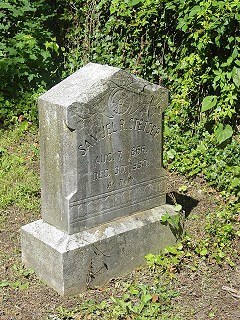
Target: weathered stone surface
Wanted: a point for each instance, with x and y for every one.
(102, 181)
(101, 148)
(72, 263)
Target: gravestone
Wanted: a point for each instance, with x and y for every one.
(102, 180)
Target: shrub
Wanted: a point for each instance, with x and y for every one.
(28, 50)
(191, 47)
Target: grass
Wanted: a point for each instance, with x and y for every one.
(18, 156)
(138, 301)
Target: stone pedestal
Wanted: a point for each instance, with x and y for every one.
(70, 264)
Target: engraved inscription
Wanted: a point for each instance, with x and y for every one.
(132, 163)
(121, 101)
(119, 150)
(105, 131)
(109, 157)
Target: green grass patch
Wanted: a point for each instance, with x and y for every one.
(138, 301)
(19, 179)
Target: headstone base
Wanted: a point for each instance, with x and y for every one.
(70, 264)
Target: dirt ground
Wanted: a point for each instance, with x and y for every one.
(203, 294)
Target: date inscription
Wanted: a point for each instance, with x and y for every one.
(111, 166)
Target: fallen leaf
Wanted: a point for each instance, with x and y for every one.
(155, 298)
(173, 269)
(101, 289)
(138, 269)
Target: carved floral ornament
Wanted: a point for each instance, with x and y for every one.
(123, 94)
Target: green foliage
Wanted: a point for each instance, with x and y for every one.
(220, 166)
(222, 229)
(208, 103)
(216, 245)
(170, 259)
(21, 274)
(192, 47)
(183, 189)
(139, 301)
(20, 271)
(28, 51)
(223, 134)
(27, 45)
(17, 285)
(175, 221)
(142, 302)
(211, 45)
(22, 109)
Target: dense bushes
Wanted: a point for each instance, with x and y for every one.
(28, 52)
(191, 47)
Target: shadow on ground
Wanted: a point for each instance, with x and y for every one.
(187, 203)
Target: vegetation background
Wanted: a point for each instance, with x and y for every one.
(190, 47)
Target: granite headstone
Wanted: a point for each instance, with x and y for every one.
(102, 180)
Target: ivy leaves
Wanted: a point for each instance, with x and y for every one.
(236, 75)
(208, 103)
(223, 133)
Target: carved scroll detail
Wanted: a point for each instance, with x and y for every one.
(122, 94)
